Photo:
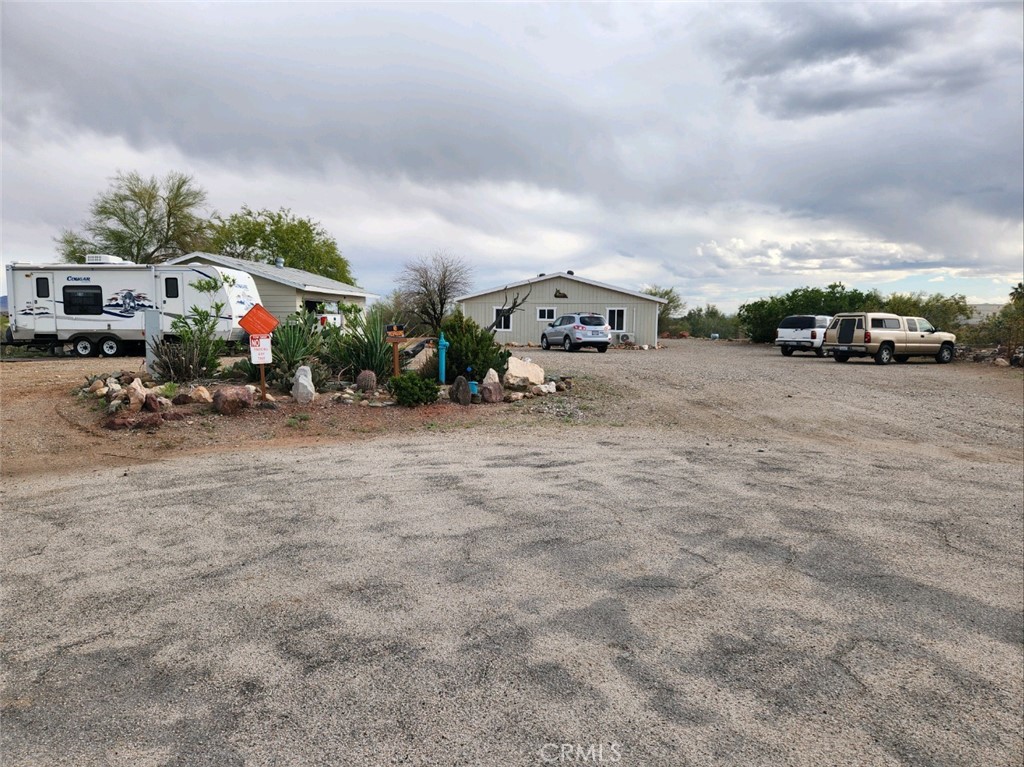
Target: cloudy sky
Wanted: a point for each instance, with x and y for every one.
(731, 151)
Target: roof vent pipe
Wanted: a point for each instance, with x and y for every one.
(570, 272)
(541, 274)
(279, 262)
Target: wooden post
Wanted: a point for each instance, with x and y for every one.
(263, 382)
(394, 353)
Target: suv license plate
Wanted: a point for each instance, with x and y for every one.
(596, 333)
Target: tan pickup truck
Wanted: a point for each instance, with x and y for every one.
(886, 337)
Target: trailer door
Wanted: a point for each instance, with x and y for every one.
(172, 294)
(44, 306)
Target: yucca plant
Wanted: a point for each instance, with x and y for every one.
(296, 342)
(361, 345)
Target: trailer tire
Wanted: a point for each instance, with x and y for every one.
(111, 347)
(84, 347)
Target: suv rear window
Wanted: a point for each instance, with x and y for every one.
(591, 319)
(798, 322)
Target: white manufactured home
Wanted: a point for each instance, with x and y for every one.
(633, 316)
(283, 289)
(99, 307)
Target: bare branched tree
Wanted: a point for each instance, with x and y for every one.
(429, 286)
(508, 309)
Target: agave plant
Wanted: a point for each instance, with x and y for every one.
(361, 345)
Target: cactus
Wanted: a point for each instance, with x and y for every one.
(366, 381)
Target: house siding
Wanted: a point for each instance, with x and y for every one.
(640, 315)
(282, 300)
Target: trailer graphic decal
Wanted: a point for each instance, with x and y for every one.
(124, 303)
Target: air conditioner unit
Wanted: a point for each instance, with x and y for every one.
(103, 258)
(623, 338)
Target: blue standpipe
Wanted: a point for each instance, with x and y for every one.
(442, 352)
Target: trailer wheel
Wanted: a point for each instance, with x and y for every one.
(84, 347)
(111, 347)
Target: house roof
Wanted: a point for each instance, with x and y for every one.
(286, 275)
(567, 276)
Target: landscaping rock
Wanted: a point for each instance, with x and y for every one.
(458, 392)
(475, 399)
(96, 386)
(115, 406)
(136, 395)
(183, 399)
(1000, 362)
(101, 392)
(521, 374)
(492, 391)
(228, 400)
(174, 415)
(491, 377)
(152, 403)
(202, 394)
(514, 396)
(302, 389)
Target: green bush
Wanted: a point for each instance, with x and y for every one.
(471, 351)
(412, 389)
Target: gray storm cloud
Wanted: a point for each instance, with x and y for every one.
(660, 127)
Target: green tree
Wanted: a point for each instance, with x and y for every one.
(703, 322)
(145, 220)
(674, 306)
(265, 236)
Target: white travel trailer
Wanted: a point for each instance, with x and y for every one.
(99, 307)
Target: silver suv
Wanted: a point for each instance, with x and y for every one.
(574, 331)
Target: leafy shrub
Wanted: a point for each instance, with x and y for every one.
(471, 352)
(412, 389)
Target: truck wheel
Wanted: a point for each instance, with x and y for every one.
(945, 354)
(884, 355)
(787, 351)
(111, 347)
(84, 347)
(841, 357)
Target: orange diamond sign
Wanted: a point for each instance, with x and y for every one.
(258, 321)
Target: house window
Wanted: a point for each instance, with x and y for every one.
(83, 300)
(42, 287)
(617, 319)
(546, 314)
(171, 287)
(502, 321)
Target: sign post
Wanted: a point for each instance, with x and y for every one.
(259, 324)
(395, 334)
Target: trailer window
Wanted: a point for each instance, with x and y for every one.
(171, 287)
(83, 300)
(42, 287)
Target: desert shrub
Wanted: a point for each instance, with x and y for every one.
(297, 342)
(412, 389)
(193, 352)
(361, 345)
(471, 352)
(366, 381)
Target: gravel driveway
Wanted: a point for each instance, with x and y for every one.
(714, 555)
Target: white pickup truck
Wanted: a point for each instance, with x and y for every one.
(802, 333)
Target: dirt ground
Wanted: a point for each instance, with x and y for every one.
(709, 388)
(705, 555)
